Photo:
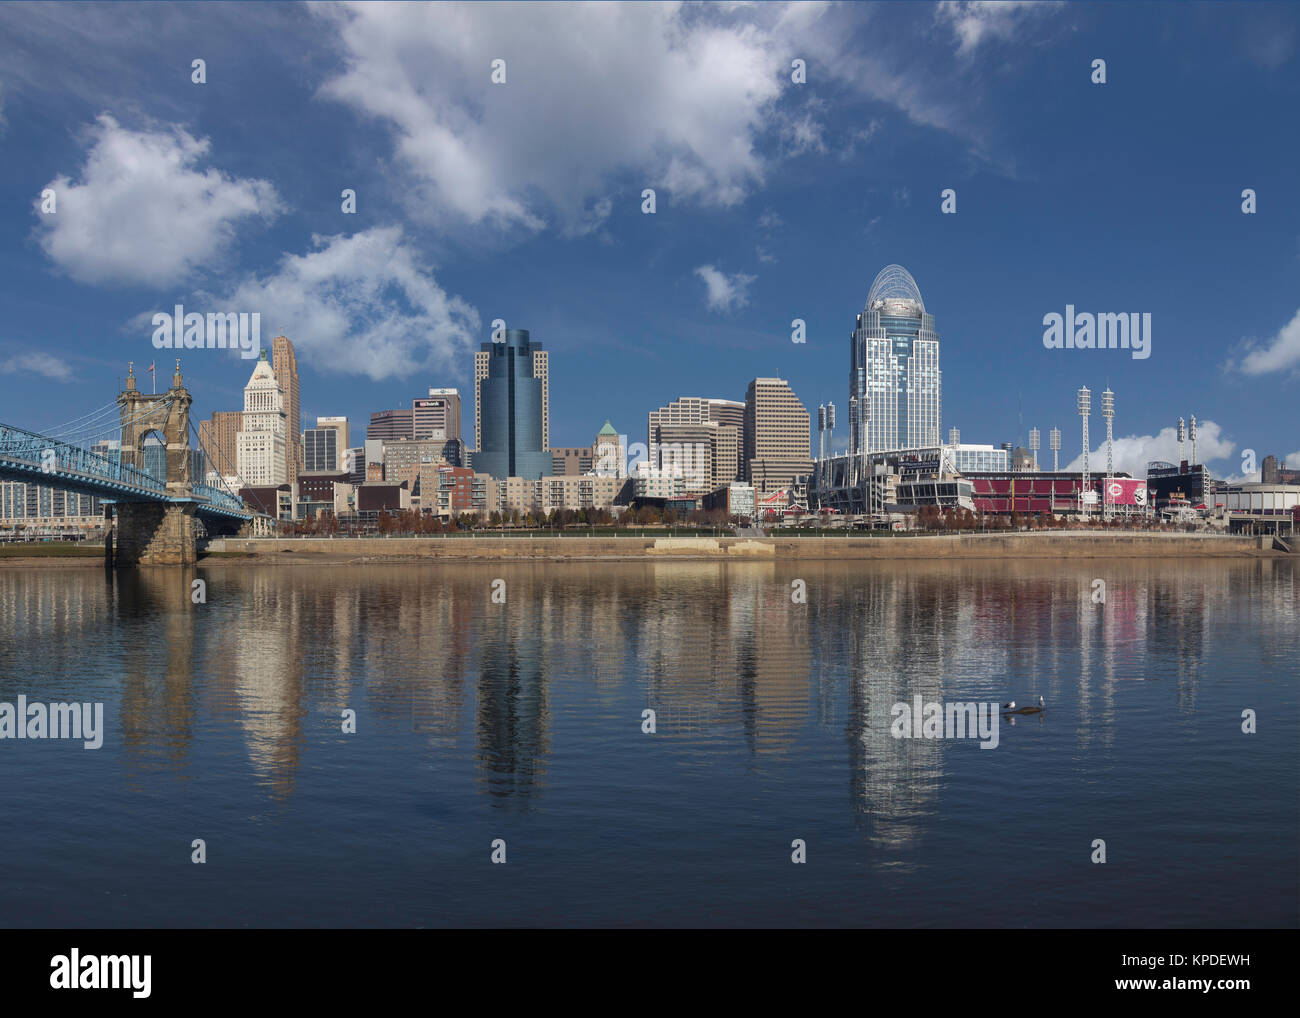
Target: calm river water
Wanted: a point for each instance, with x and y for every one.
(522, 721)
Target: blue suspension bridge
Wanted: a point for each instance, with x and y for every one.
(135, 455)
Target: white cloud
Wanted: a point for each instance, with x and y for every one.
(1279, 353)
(725, 293)
(44, 364)
(659, 95)
(1133, 452)
(143, 212)
(363, 305)
(803, 133)
(1293, 461)
(976, 21)
(696, 99)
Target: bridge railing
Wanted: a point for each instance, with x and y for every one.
(31, 448)
(218, 497)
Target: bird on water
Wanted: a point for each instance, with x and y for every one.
(1013, 709)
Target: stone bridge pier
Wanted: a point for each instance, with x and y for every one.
(155, 533)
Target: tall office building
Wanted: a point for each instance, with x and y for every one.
(511, 411)
(339, 424)
(284, 362)
(320, 449)
(726, 439)
(894, 378)
(390, 425)
(777, 435)
(220, 437)
(730, 415)
(340, 444)
(541, 367)
(261, 459)
(686, 452)
(437, 416)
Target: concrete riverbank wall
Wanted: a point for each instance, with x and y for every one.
(973, 546)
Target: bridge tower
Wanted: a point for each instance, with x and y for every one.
(153, 533)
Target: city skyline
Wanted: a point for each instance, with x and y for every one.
(816, 186)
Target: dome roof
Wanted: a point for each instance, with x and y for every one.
(894, 283)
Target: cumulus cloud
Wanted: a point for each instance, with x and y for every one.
(725, 293)
(1133, 452)
(696, 99)
(143, 211)
(364, 305)
(622, 96)
(1278, 354)
(46, 365)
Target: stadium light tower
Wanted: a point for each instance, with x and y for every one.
(1108, 412)
(1182, 437)
(1034, 443)
(1084, 404)
(1191, 433)
(1054, 440)
(821, 432)
(954, 436)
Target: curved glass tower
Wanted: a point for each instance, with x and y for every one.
(894, 378)
(511, 407)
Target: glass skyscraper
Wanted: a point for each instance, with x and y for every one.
(894, 378)
(511, 409)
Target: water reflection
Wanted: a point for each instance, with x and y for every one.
(721, 651)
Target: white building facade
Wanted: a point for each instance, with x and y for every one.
(263, 431)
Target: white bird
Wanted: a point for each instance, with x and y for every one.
(1009, 706)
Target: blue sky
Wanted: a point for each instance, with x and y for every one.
(775, 201)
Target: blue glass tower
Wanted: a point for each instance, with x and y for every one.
(510, 399)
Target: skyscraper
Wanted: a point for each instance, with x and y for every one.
(438, 416)
(541, 371)
(284, 362)
(725, 440)
(220, 437)
(320, 449)
(343, 429)
(511, 410)
(777, 435)
(390, 425)
(261, 445)
(894, 378)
